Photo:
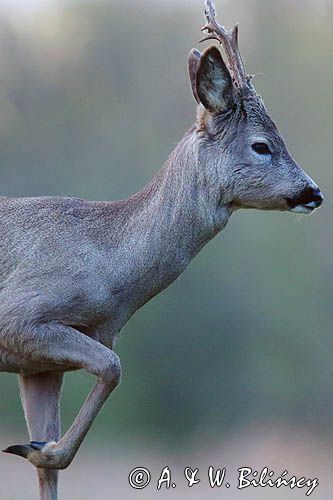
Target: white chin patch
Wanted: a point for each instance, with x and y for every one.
(303, 209)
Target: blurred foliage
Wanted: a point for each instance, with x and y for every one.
(93, 97)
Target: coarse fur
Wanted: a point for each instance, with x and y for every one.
(72, 271)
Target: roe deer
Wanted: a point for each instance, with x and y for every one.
(73, 271)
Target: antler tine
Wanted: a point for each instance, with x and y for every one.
(210, 8)
(229, 41)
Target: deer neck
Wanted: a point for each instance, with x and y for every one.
(187, 204)
(179, 213)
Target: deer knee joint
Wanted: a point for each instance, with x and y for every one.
(111, 372)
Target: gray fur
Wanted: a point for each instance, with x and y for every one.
(72, 272)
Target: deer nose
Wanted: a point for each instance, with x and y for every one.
(318, 197)
(310, 197)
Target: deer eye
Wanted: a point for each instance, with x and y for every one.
(261, 148)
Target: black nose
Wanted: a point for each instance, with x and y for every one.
(311, 197)
(318, 197)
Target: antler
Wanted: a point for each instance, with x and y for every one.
(229, 41)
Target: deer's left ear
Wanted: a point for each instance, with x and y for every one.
(193, 64)
(214, 86)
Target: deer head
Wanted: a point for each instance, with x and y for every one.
(239, 144)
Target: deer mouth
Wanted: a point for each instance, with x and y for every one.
(303, 209)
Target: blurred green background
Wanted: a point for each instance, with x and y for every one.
(93, 97)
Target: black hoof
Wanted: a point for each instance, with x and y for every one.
(23, 450)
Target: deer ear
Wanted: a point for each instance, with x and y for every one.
(193, 63)
(214, 86)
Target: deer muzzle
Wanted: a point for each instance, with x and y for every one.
(307, 201)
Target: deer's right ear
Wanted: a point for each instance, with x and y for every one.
(214, 86)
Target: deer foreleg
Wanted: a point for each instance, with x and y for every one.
(63, 346)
